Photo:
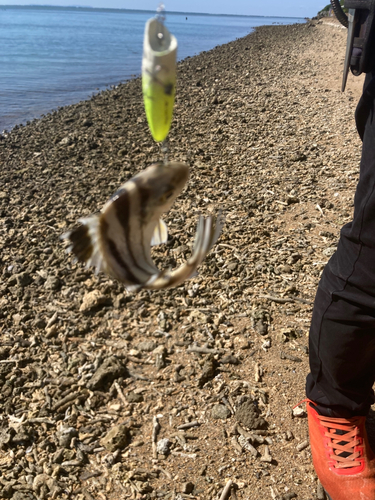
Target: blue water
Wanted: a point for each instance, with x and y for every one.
(53, 56)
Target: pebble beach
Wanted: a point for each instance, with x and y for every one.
(184, 393)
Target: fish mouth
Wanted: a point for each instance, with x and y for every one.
(167, 179)
(181, 174)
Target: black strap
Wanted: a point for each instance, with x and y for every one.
(363, 53)
(365, 107)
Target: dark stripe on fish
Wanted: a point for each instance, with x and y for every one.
(115, 254)
(123, 213)
(143, 195)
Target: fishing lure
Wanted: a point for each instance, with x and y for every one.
(159, 77)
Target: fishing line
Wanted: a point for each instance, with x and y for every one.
(164, 149)
(160, 16)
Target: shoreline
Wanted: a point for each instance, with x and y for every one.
(271, 140)
(29, 106)
(152, 12)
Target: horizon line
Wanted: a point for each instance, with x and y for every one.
(77, 7)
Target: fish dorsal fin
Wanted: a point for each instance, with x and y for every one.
(160, 234)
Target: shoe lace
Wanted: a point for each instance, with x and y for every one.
(343, 435)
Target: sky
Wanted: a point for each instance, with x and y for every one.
(287, 8)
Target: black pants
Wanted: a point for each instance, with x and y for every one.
(342, 334)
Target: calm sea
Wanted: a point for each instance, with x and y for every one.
(52, 56)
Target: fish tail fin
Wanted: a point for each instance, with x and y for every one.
(219, 224)
(208, 231)
(84, 242)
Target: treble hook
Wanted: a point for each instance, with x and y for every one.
(160, 11)
(160, 16)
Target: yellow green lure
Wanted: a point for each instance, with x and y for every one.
(159, 77)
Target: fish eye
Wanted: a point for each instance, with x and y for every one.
(166, 196)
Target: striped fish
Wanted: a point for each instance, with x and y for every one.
(118, 240)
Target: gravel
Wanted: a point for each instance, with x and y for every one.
(86, 369)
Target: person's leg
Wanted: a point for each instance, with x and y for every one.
(341, 349)
(342, 340)
(342, 333)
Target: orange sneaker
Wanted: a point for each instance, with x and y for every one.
(342, 457)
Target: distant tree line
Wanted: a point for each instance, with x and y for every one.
(327, 9)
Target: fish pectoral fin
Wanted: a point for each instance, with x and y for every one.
(160, 234)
